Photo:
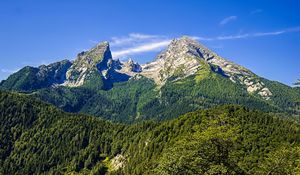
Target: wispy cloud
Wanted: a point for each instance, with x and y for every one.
(137, 43)
(148, 43)
(253, 12)
(249, 35)
(227, 20)
(9, 71)
(270, 33)
(142, 48)
(133, 38)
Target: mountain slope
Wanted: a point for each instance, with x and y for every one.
(186, 76)
(94, 68)
(185, 56)
(30, 78)
(91, 66)
(37, 138)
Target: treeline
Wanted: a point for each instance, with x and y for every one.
(138, 100)
(38, 138)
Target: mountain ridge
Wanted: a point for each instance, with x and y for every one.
(182, 56)
(186, 76)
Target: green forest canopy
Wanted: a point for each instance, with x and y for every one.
(39, 138)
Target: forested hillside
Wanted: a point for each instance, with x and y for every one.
(38, 138)
(137, 100)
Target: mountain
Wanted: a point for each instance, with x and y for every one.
(38, 138)
(88, 65)
(30, 78)
(186, 76)
(94, 67)
(184, 57)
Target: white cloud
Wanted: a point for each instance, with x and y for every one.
(249, 35)
(201, 38)
(270, 33)
(142, 48)
(142, 36)
(253, 12)
(133, 38)
(139, 43)
(227, 20)
(231, 37)
(9, 71)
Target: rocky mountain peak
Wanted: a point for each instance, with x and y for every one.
(185, 56)
(186, 42)
(133, 66)
(180, 59)
(98, 59)
(130, 61)
(101, 52)
(129, 67)
(184, 47)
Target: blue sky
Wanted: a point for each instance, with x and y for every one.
(261, 35)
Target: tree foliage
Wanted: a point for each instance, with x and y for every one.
(37, 138)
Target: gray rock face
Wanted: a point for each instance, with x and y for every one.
(188, 53)
(130, 68)
(181, 57)
(133, 66)
(185, 56)
(98, 62)
(55, 73)
(98, 59)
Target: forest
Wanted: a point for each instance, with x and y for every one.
(38, 138)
